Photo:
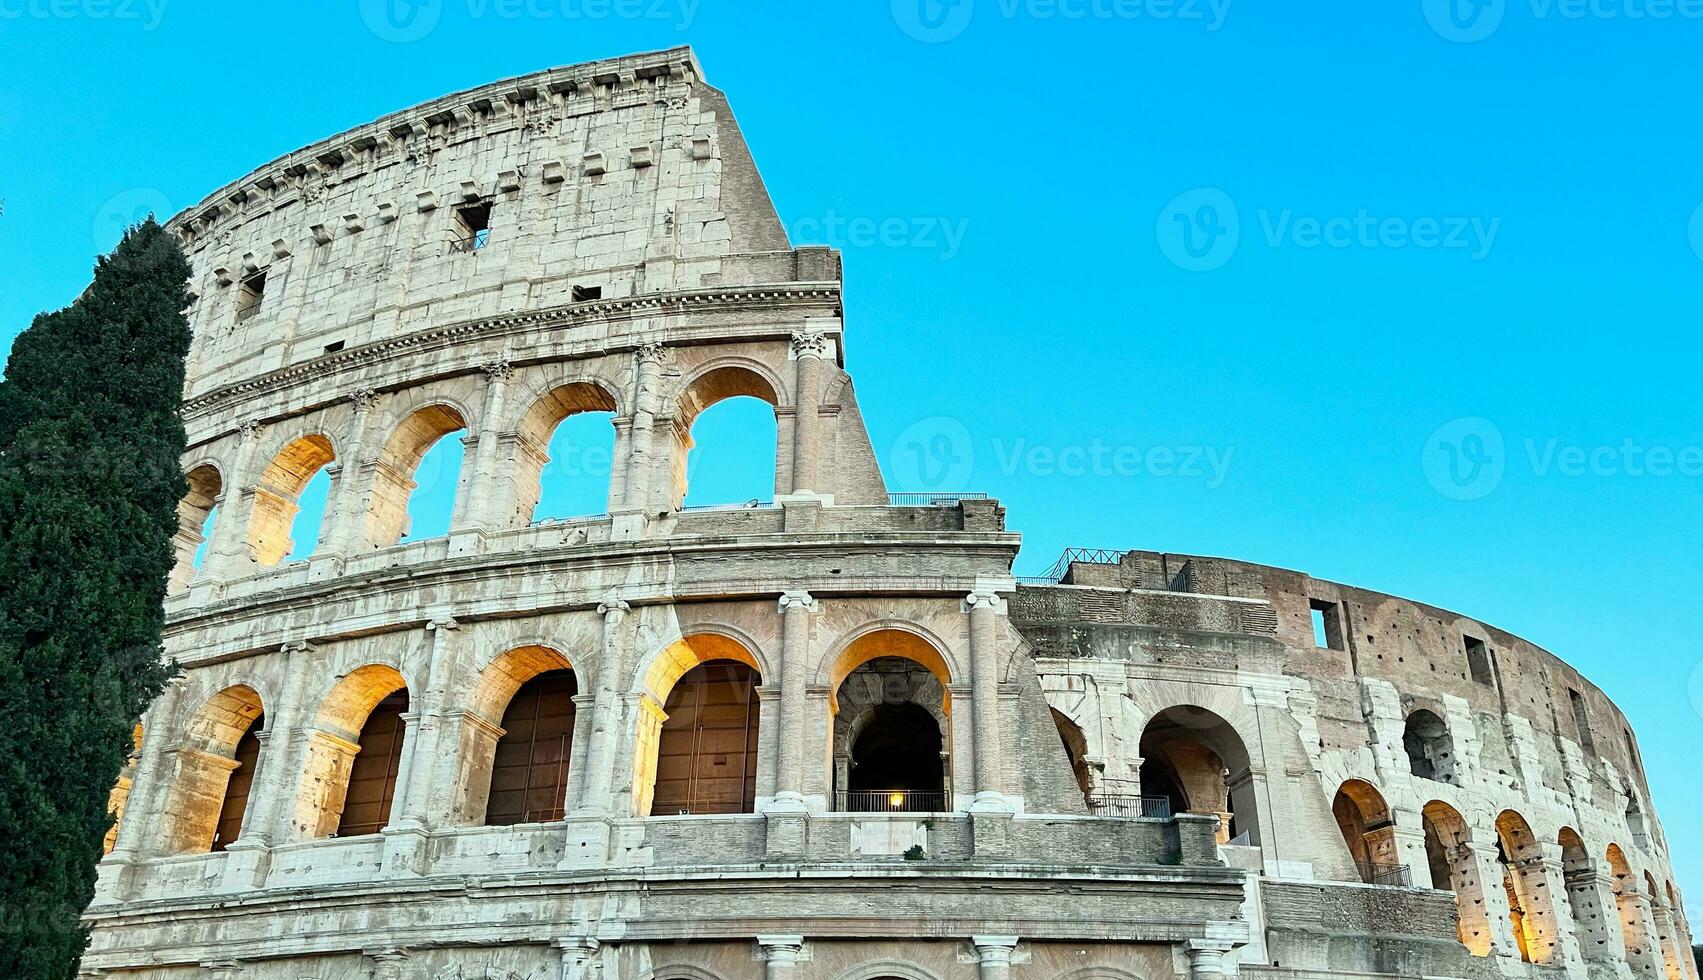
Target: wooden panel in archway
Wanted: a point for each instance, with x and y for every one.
(236, 791)
(707, 755)
(372, 779)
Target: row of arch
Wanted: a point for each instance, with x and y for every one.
(1650, 943)
(694, 731)
(273, 522)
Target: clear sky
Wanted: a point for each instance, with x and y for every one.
(1346, 287)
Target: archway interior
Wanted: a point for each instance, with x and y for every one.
(565, 454)
(1076, 750)
(529, 772)
(372, 777)
(1193, 758)
(727, 438)
(1454, 867)
(1364, 820)
(235, 805)
(706, 760)
(1430, 750)
(889, 737)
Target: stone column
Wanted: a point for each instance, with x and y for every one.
(1209, 959)
(983, 607)
(993, 956)
(388, 962)
(596, 788)
(808, 352)
(274, 784)
(796, 609)
(345, 518)
(227, 553)
(641, 457)
(1671, 961)
(1410, 848)
(480, 500)
(222, 969)
(148, 791)
(415, 808)
(579, 956)
(781, 955)
(1591, 896)
(1498, 928)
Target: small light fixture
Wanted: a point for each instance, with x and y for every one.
(897, 799)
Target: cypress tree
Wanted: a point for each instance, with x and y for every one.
(90, 479)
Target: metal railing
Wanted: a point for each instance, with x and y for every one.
(755, 503)
(471, 243)
(1089, 556)
(931, 499)
(1127, 806)
(1385, 874)
(897, 801)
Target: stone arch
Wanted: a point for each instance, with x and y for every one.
(1580, 876)
(1629, 906)
(1663, 917)
(1430, 747)
(206, 492)
(892, 677)
(340, 731)
(679, 971)
(887, 970)
(486, 735)
(1075, 749)
(1202, 764)
(656, 681)
(278, 492)
(533, 431)
(1099, 973)
(1531, 911)
(898, 639)
(712, 383)
(393, 473)
(215, 764)
(1455, 867)
(1368, 830)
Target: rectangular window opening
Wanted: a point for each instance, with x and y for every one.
(250, 294)
(1581, 721)
(584, 294)
(1327, 624)
(474, 231)
(1478, 661)
(334, 347)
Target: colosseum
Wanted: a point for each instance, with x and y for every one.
(824, 736)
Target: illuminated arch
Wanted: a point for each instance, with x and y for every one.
(484, 740)
(656, 681)
(1454, 867)
(1203, 764)
(206, 490)
(215, 766)
(278, 492)
(393, 477)
(335, 738)
(535, 429)
(1367, 829)
(713, 383)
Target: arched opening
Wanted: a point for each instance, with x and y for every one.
(1581, 879)
(1369, 831)
(404, 489)
(726, 439)
(1076, 750)
(289, 501)
(1663, 917)
(1193, 757)
(565, 454)
(1454, 867)
(195, 515)
(353, 756)
(215, 768)
(696, 746)
(1524, 879)
(891, 726)
(1430, 750)
(529, 771)
(1630, 910)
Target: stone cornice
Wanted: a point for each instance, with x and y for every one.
(735, 298)
(572, 85)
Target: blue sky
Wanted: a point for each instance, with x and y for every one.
(1230, 280)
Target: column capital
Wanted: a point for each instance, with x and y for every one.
(442, 624)
(980, 599)
(810, 343)
(576, 944)
(613, 606)
(498, 370)
(651, 353)
(995, 948)
(800, 599)
(251, 429)
(364, 398)
(785, 947)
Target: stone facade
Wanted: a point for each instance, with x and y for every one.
(1143, 766)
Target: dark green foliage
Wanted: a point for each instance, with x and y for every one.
(90, 450)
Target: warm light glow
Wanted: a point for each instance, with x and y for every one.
(897, 799)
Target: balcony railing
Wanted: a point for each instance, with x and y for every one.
(1385, 874)
(931, 499)
(897, 801)
(1117, 805)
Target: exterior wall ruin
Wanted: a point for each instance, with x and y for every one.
(1141, 757)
